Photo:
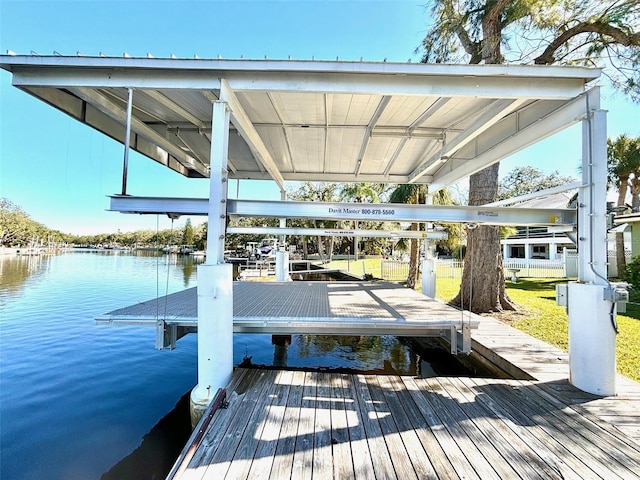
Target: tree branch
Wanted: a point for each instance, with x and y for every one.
(472, 48)
(599, 26)
(496, 10)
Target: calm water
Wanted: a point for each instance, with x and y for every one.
(76, 398)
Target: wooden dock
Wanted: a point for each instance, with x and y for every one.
(295, 424)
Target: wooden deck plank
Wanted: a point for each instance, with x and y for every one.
(510, 445)
(244, 423)
(213, 437)
(284, 424)
(400, 456)
(283, 460)
(416, 451)
(340, 404)
(490, 451)
(322, 452)
(244, 456)
(192, 443)
(269, 430)
(432, 392)
(458, 460)
(557, 455)
(303, 453)
(380, 455)
(590, 455)
(361, 455)
(594, 417)
(434, 451)
(621, 457)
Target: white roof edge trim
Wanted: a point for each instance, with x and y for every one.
(355, 67)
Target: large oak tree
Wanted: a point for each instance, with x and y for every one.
(584, 32)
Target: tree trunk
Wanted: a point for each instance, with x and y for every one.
(414, 267)
(635, 194)
(329, 248)
(483, 288)
(621, 261)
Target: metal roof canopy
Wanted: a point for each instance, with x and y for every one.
(316, 120)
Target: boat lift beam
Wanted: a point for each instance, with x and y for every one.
(380, 212)
(339, 232)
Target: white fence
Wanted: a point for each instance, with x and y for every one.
(394, 270)
(566, 267)
(537, 268)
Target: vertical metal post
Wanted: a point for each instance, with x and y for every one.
(592, 209)
(215, 281)
(218, 183)
(283, 221)
(592, 336)
(428, 263)
(127, 141)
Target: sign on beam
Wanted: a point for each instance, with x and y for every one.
(399, 212)
(380, 212)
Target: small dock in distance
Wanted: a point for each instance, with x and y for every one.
(294, 424)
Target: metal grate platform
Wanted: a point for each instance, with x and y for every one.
(347, 308)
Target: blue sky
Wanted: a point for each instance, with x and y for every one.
(60, 171)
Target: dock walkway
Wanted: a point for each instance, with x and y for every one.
(295, 424)
(284, 424)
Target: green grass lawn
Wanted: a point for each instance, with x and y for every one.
(540, 317)
(538, 314)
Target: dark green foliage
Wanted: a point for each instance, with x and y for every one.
(632, 276)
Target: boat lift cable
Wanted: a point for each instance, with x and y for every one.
(612, 316)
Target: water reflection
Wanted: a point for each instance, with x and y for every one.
(16, 270)
(77, 397)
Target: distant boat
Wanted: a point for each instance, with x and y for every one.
(170, 249)
(29, 251)
(198, 253)
(185, 250)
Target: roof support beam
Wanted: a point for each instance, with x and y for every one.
(488, 81)
(241, 120)
(433, 108)
(539, 193)
(328, 177)
(284, 131)
(367, 136)
(328, 107)
(492, 115)
(117, 113)
(175, 108)
(518, 138)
